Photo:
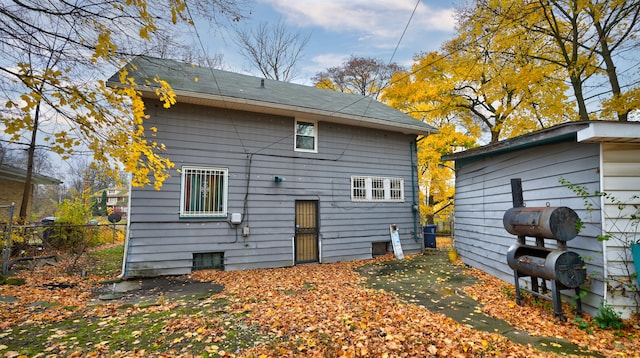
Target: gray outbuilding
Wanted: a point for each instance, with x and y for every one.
(602, 157)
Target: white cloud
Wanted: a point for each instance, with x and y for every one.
(329, 60)
(382, 20)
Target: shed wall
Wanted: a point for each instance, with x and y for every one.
(621, 170)
(483, 194)
(256, 148)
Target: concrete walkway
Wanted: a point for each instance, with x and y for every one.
(431, 281)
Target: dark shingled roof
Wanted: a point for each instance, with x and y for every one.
(206, 86)
(579, 131)
(17, 174)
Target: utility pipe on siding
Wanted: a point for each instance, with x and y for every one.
(413, 145)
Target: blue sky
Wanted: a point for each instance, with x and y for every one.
(337, 30)
(341, 28)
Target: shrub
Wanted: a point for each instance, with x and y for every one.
(607, 317)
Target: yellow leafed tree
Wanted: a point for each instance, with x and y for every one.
(592, 43)
(478, 89)
(53, 60)
(437, 179)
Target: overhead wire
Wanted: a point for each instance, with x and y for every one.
(339, 110)
(404, 31)
(213, 75)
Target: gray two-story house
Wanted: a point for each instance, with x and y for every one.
(269, 174)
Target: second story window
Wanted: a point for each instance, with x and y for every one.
(306, 136)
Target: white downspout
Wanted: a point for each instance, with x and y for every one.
(123, 270)
(603, 224)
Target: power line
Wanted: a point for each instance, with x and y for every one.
(389, 63)
(404, 31)
(213, 75)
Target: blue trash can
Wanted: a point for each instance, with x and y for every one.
(430, 236)
(635, 253)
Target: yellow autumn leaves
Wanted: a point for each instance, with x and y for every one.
(85, 113)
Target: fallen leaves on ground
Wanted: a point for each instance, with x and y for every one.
(321, 310)
(324, 310)
(538, 320)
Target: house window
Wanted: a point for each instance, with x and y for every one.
(208, 261)
(358, 188)
(306, 136)
(396, 189)
(377, 188)
(365, 188)
(203, 192)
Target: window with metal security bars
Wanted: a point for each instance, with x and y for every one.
(365, 188)
(396, 189)
(203, 192)
(358, 188)
(208, 261)
(377, 188)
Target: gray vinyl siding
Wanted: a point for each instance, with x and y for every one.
(483, 194)
(255, 148)
(621, 170)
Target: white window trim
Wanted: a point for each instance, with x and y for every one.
(315, 136)
(225, 193)
(368, 180)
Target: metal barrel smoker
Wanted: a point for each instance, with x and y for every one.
(565, 269)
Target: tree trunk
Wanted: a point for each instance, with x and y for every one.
(26, 194)
(576, 83)
(611, 70)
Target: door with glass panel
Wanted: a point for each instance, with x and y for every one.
(306, 232)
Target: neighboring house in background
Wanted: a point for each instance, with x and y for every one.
(269, 174)
(12, 182)
(602, 156)
(117, 199)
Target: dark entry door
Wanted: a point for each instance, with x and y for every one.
(306, 238)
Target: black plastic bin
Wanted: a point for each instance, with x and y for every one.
(430, 236)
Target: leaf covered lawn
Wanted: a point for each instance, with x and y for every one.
(322, 310)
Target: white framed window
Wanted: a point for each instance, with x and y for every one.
(306, 136)
(367, 188)
(396, 189)
(203, 192)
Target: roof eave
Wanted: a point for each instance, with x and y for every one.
(244, 104)
(20, 175)
(616, 132)
(554, 134)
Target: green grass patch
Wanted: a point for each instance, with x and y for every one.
(107, 262)
(15, 281)
(206, 327)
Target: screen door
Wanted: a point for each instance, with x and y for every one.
(306, 238)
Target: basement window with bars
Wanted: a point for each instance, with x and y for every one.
(367, 188)
(208, 261)
(203, 192)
